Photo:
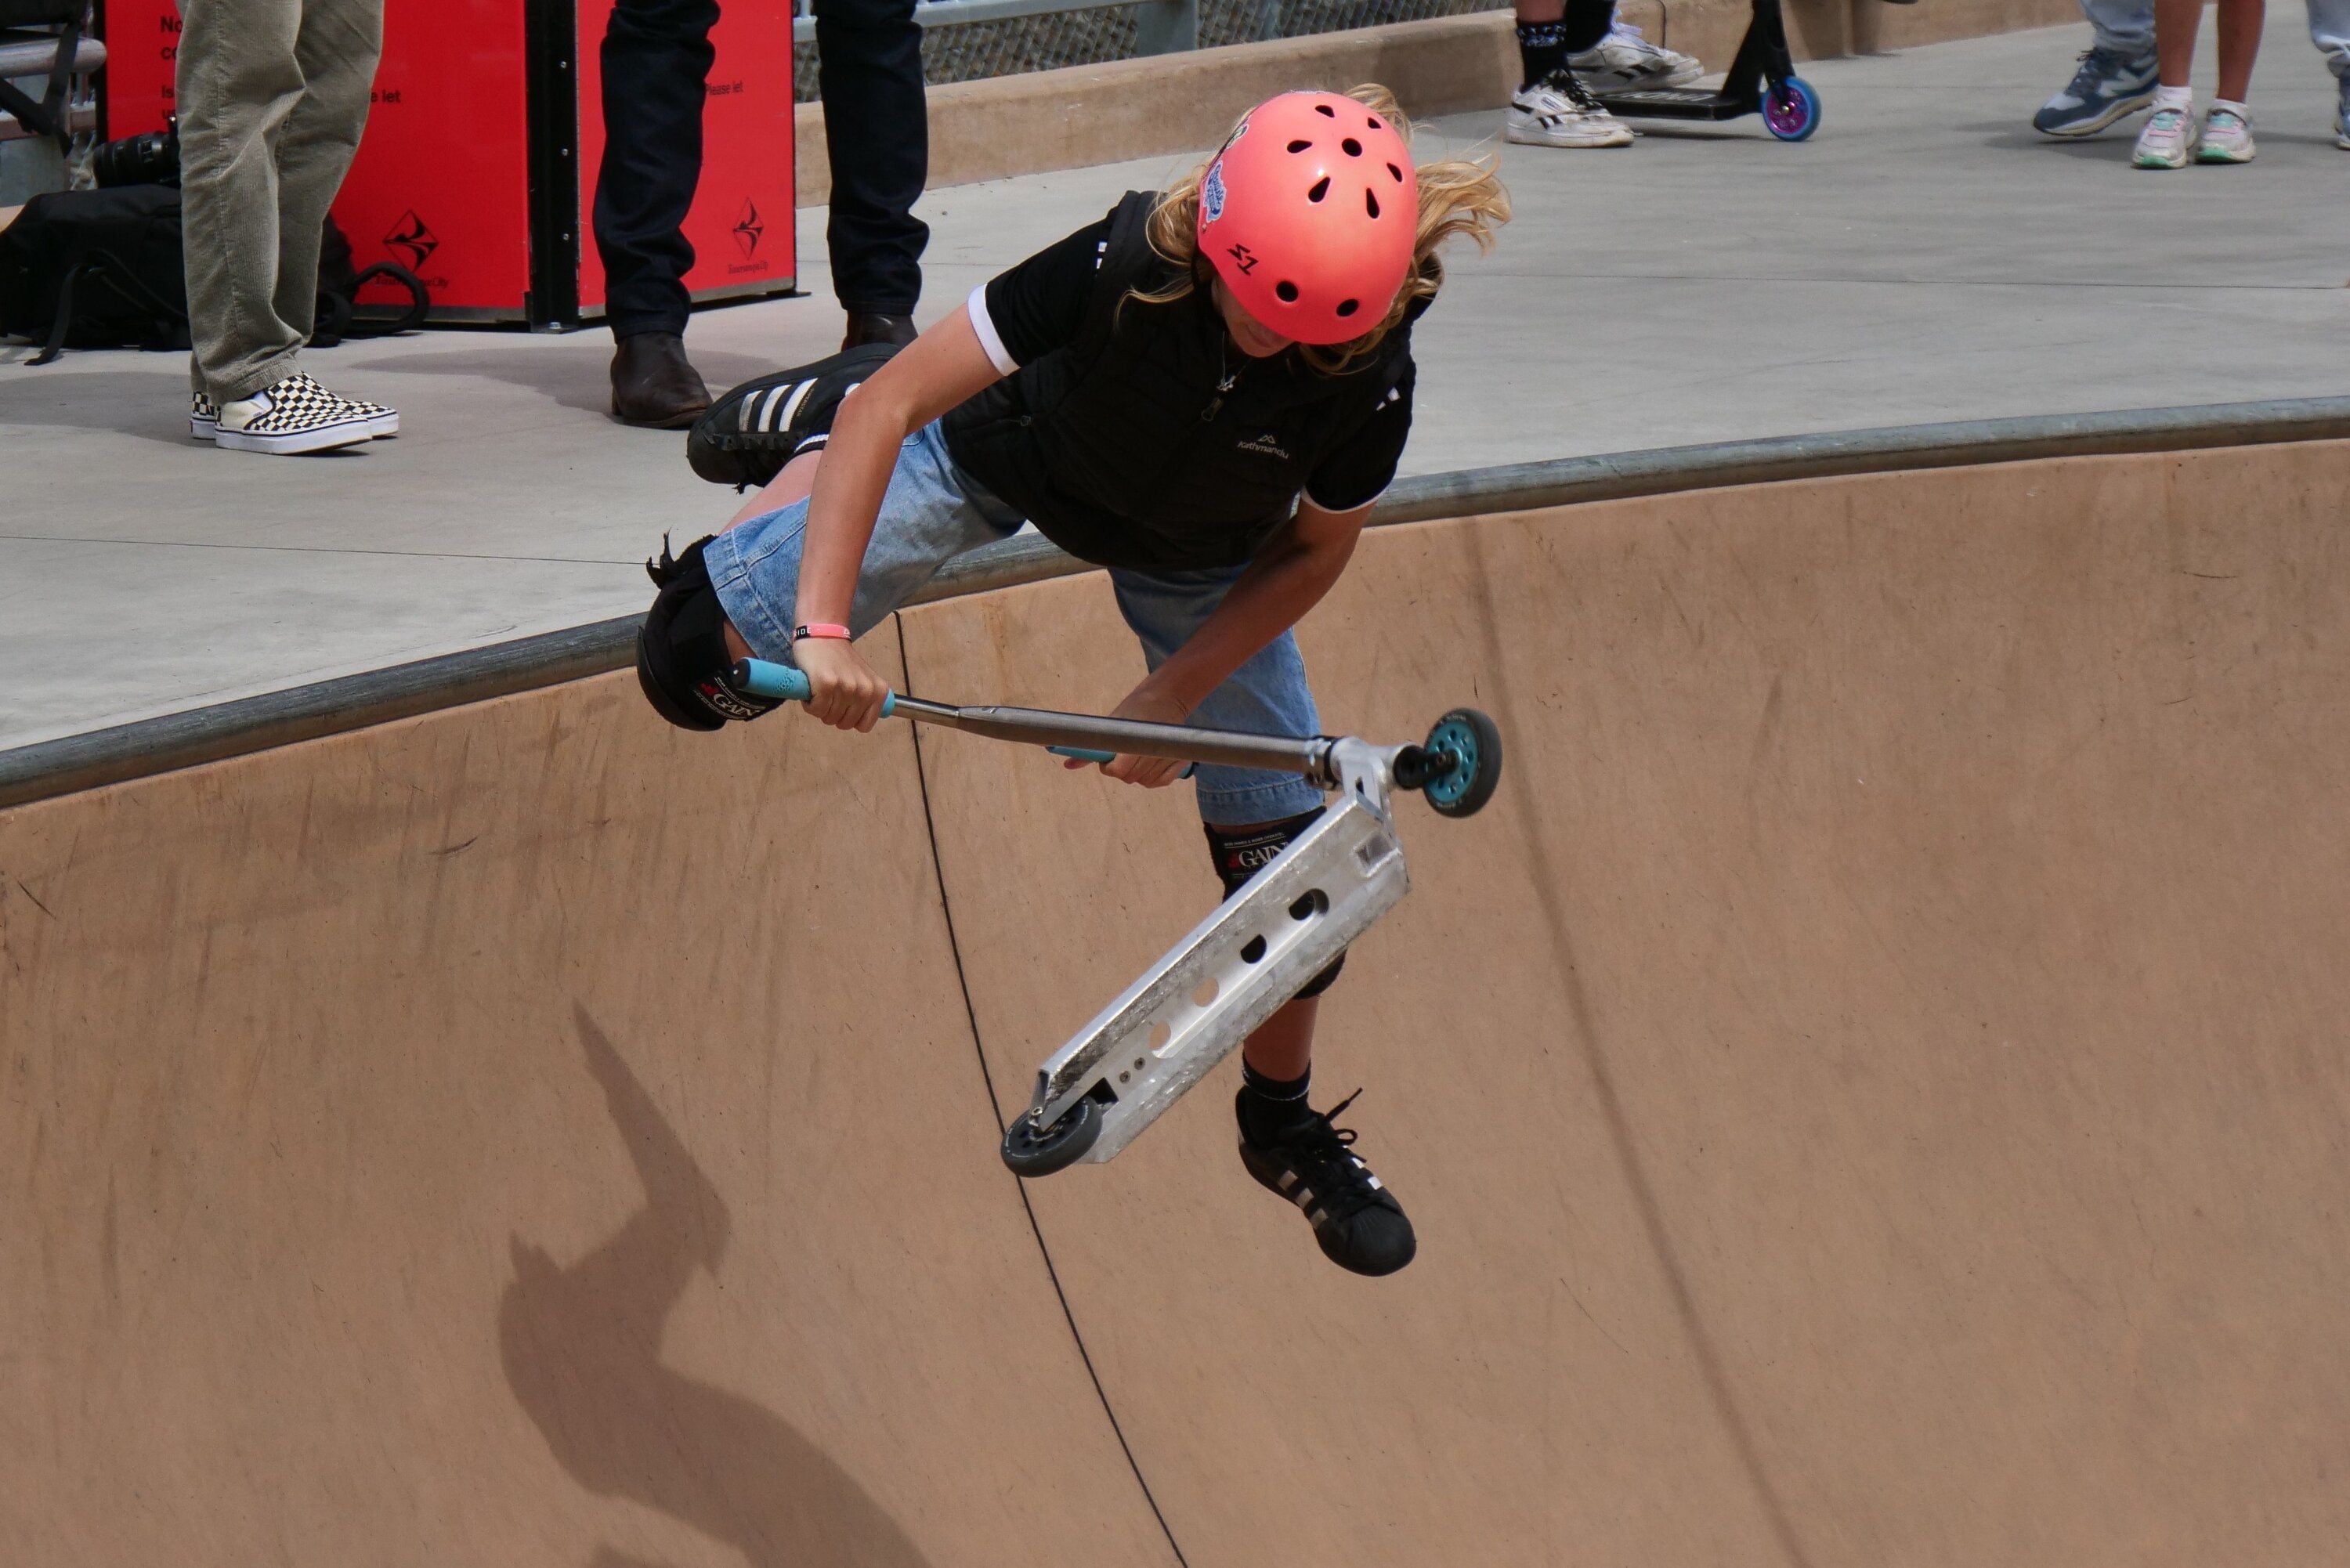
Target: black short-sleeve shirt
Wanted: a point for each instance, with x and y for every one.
(1039, 304)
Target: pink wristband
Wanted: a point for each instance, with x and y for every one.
(822, 629)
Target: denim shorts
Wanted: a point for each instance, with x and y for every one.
(934, 511)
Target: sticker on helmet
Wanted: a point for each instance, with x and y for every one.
(1211, 193)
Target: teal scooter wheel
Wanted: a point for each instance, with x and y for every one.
(1475, 746)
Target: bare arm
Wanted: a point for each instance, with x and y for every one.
(1287, 579)
(938, 370)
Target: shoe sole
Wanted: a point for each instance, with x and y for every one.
(2206, 155)
(1622, 138)
(2142, 161)
(1605, 82)
(295, 443)
(209, 429)
(2121, 109)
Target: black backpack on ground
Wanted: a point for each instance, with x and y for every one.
(104, 269)
(340, 281)
(94, 269)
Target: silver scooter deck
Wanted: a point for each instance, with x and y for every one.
(1236, 969)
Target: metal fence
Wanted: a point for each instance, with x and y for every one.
(965, 39)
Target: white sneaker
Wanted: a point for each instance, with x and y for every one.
(1559, 112)
(2227, 137)
(1624, 59)
(2168, 140)
(295, 415)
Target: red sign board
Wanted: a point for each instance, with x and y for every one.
(443, 183)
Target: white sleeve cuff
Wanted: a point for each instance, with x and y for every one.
(997, 354)
(1357, 506)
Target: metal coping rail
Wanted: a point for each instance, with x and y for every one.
(198, 735)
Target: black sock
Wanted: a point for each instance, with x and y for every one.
(1542, 48)
(1271, 1106)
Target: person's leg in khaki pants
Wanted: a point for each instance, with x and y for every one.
(272, 95)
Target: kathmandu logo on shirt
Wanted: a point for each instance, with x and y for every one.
(1212, 194)
(1265, 446)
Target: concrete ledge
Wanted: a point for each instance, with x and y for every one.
(1069, 119)
(1084, 115)
(1877, 27)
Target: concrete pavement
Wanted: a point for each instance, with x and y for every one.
(1926, 257)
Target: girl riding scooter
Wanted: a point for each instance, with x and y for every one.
(1203, 392)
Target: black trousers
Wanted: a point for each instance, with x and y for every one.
(656, 58)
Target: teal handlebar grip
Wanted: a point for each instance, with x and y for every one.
(762, 679)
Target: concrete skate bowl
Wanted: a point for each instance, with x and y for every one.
(1871, 1088)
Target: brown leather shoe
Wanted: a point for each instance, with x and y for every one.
(871, 327)
(654, 384)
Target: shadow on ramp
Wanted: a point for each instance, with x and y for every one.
(582, 1350)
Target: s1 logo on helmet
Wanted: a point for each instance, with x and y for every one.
(1243, 259)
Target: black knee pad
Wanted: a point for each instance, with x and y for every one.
(1240, 853)
(746, 437)
(682, 658)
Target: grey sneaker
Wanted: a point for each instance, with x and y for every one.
(2105, 89)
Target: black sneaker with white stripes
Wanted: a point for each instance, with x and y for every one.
(1357, 1221)
(746, 437)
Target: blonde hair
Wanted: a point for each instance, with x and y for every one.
(1457, 196)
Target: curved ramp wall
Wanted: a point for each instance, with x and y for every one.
(1870, 1087)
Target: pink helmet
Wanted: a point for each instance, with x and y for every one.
(1309, 214)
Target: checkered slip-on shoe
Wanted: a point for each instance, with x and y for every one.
(295, 415)
(381, 421)
(204, 414)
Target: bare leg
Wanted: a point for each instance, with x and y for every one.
(1540, 10)
(1282, 1046)
(2240, 44)
(2175, 25)
(794, 483)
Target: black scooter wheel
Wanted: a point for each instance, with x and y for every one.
(1030, 1153)
(1476, 747)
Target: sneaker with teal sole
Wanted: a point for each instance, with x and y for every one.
(2168, 142)
(2226, 137)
